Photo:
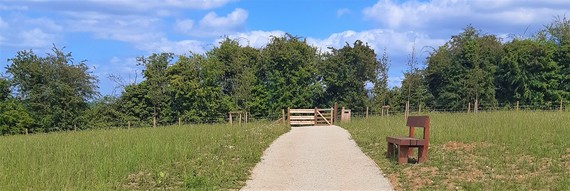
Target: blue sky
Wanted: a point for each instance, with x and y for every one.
(110, 34)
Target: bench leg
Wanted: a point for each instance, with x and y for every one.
(390, 151)
(403, 154)
(422, 153)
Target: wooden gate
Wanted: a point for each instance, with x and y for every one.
(311, 117)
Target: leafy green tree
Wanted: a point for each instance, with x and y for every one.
(135, 104)
(462, 70)
(289, 75)
(558, 32)
(157, 80)
(54, 88)
(380, 90)
(239, 66)
(528, 73)
(104, 113)
(4, 89)
(346, 71)
(14, 117)
(198, 95)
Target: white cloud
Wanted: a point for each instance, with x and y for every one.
(213, 25)
(3, 24)
(489, 14)
(185, 25)
(36, 38)
(176, 47)
(394, 41)
(342, 12)
(257, 39)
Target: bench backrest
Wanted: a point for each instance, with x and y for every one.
(418, 121)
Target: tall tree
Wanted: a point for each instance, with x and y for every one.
(239, 67)
(289, 74)
(558, 32)
(380, 90)
(528, 73)
(346, 71)
(462, 70)
(54, 88)
(155, 75)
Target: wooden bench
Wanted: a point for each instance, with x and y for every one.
(406, 144)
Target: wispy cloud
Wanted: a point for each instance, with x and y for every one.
(342, 12)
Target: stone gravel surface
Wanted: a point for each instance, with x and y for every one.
(316, 158)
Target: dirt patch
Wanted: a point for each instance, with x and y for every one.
(419, 176)
(466, 147)
(395, 182)
(137, 181)
(149, 181)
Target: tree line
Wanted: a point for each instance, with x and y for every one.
(55, 93)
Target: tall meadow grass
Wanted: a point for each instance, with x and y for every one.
(189, 157)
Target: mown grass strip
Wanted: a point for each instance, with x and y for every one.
(211, 157)
(484, 151)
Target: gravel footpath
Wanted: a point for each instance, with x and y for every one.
(316, 158)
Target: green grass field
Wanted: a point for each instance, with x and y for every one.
(204, 157)
(484, 151)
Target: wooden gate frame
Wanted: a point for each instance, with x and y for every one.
(313, 117)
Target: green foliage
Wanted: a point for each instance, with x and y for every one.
(197, 91)
(157, 81)
(528, 73)
(462, 70)
(288, 74)
(4, 89)
(53, 88)
(380, 91)
(14, 118)
(345, 72)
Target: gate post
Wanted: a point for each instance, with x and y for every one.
(315, 114)
(288, 116)
(334, 113)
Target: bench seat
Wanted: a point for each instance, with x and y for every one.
(406, 141)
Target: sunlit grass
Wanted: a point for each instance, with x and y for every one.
(488, 151)
(189, 157)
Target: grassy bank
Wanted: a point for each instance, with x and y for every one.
(211, 157)
(484, 151)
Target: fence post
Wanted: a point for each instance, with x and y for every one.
(179, 122)
(129, 125)
(476, 109)
(315, 114)
(231, 122)
(517, 106)
(288, 116)
(561, 104)
(239, 122)
(283, 116)
(26, 131)
(469, 108)
(246, 117)
(335, 112)
(407, 111)
(366, 112)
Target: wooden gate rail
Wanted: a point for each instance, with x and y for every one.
(311, 117)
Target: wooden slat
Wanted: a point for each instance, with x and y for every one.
(418, 121)
(302, 122)
(302, 111)
(303, 117)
